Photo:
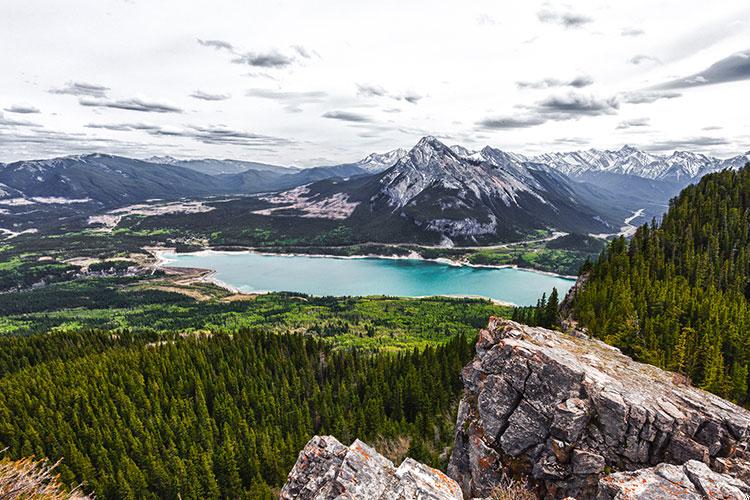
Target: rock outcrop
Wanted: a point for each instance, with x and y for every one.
(692, 481)
(565, 410)
(326, 469)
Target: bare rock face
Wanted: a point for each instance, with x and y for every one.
(326, 469)
(693, 480)
(564, 409)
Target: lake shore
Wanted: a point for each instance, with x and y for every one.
(164, 260)
(158, 252)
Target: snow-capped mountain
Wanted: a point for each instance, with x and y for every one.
(434, 194)
(680, 167)
(377, 162)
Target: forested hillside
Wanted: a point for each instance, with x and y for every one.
(151, 394)
(677, 294)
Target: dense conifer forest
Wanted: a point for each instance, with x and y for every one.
(677, 294)
(149, 394)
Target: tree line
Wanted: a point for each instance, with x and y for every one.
(676, 295)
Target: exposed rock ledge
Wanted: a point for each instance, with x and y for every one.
(562, 410)
(326, 469)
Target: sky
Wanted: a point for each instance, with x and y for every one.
(314, 82)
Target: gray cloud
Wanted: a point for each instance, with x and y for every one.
(371, 90)
(634, 123)
(270, 59)
(22, 109)
(570, 106)
(82, 89)
(573, 104)
(632, 32)
(205, 96)
(123, 127)
(347, 116)
(712, 127)
(302, 51)
(691, 143)
(577, 82)
(730, 69)
(511, 122)
(367, 90)
(642, 58)
(565, 18)
(288, 96)
(217, 44)
(223, 135)
(10, 122)
(134, 104)
(647, 96)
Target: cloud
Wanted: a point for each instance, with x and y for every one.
(10, 122)
(217, 44)
(302, 51)
(367, 90)
(82, 89)
(205, 96)
(270, 59)
(712, 127)
(289, 96)
(22, 109)
(691, 143)
(570, 106)
(486, 20)
(635, 122)
(642, 58)
(647, 96)
(577, 82)
(632, 32)
(511, 122)
(730, 69)
(123, 127)
(219, 134)
(575, 104)
(347, 116)
(371, 90)
(133, 104)
(565, 18)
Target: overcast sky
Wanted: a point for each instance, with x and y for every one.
(311, 82)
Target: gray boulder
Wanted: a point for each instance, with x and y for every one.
(693, 480)
(326, 469)
(565, 409)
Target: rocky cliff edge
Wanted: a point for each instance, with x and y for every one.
(566, 410)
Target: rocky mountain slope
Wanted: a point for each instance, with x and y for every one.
(564, 410)
(432, 192)
(327, 470)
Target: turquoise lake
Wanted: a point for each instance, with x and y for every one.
(251, 272)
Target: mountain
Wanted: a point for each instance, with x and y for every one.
(433, 193)
(216, 167)
(375, 163)
(106, 179)
(681, 167)
(110, 180)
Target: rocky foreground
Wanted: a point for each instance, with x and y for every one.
(565, 410)
(326, 469)
(572, 415)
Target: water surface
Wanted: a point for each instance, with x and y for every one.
(251, 272)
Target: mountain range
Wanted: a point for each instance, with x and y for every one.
(444, 193)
